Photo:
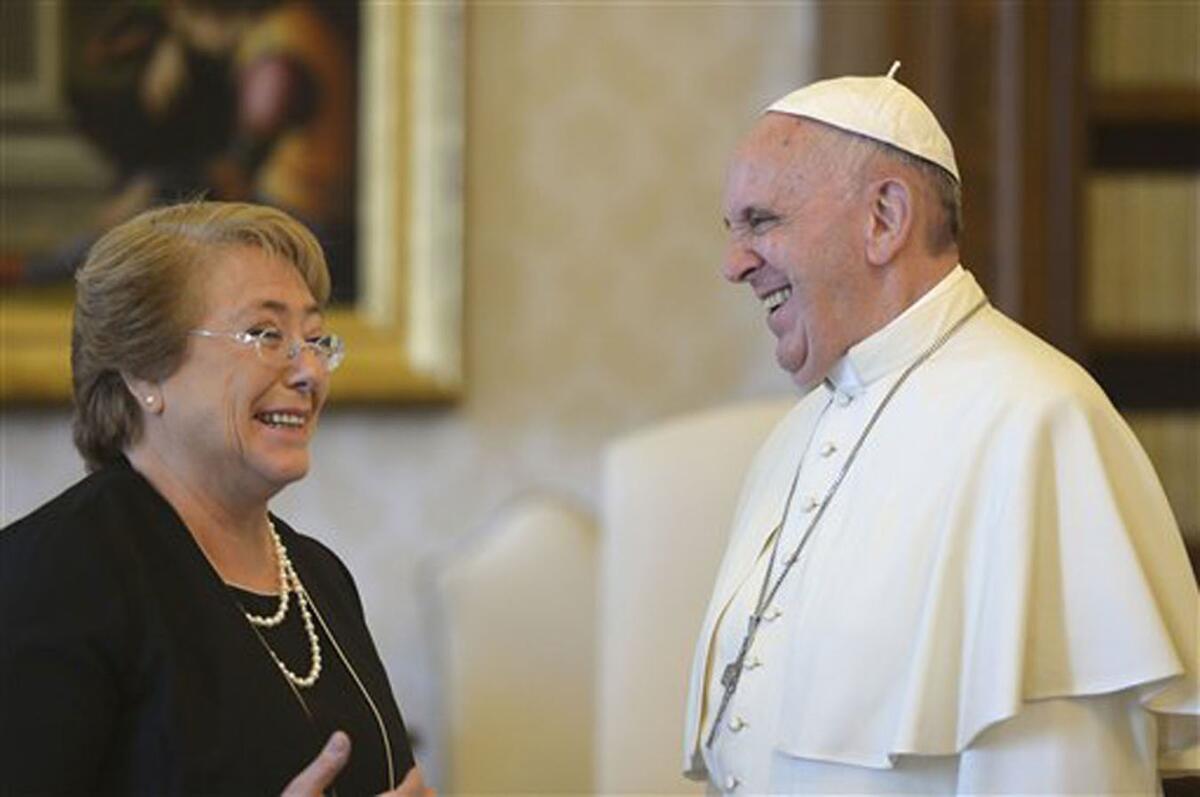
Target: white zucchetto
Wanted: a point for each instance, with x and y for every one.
(880, 108)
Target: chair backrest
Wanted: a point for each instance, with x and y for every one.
(518, 653)
(669, 497)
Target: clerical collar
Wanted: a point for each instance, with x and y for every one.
(906, 335)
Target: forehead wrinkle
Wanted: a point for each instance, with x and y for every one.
(278, 308)
(801, 151)
(770, 167)
(822, 161)
(311, 308)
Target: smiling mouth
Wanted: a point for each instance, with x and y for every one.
(281, 420)
(775, 299)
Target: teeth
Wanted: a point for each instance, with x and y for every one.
(776, 298)
(282, 419)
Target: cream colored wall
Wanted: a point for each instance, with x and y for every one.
(597, 137)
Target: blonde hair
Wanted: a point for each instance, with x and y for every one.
(132, 308)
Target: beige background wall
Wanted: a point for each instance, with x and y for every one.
(597, 137)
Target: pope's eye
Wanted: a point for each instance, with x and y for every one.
(758, 222)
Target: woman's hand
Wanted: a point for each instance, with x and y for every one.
(413, 785)
(324, 769)
(313, 779)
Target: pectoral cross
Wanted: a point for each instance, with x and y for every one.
(732, 674)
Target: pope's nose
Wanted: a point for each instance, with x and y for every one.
(739, 262)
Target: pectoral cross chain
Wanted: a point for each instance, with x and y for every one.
(732, 674)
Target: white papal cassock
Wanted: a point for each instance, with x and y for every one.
(996, 600)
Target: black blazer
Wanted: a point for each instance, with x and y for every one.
(126, 664)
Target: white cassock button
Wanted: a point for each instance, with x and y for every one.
(774, 613)
(828, 449)
(843, 399)
(810, 503)
(736, 724)
(731, 783)
(752, 663)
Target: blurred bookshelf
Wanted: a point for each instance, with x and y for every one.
(1139, 247)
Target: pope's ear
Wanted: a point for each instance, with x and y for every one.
(891, 219)
(147, 394)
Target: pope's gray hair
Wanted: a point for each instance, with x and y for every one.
(943, 233)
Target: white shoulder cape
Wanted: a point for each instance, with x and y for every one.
(1001, 538)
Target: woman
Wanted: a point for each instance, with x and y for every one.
(162, 631)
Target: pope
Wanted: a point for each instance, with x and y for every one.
(952, 568)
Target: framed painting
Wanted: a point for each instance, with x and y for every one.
(74, 154)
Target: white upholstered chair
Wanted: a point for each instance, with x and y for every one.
(563, 656)
(517, 610)
(669, 496)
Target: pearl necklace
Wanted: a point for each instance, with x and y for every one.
(290, 582)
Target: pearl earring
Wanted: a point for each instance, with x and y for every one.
(149, 399)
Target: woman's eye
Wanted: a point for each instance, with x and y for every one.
(268, 335)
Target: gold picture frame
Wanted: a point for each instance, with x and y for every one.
(403, 333)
